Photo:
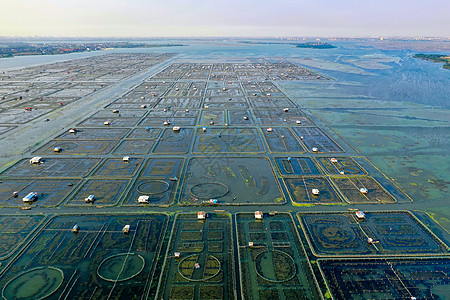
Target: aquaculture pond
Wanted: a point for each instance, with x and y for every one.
(87, 256)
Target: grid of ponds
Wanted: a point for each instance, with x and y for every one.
(387, 278)
(96, 260)
(378, 233)
(272, 259)
(199, 260)
(29, 93)
(14, 230)
(209, 136)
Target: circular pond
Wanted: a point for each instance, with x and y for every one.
(335, 235)
(199, 268)
(175, 139)
(152, 187)
(138, 143)
(275, 266)
(209, 190)
(37, 283)
(117, 165)
(121, 267)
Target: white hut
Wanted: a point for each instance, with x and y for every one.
(143, 199)
(360, 215)
(259, 215)
(36, 160)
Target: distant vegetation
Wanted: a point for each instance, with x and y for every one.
(436, 58)
(315, 45)
(312, 45)
(18, 49)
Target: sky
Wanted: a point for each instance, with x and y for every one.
(210, 18)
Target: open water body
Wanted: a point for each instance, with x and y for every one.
(405, 80)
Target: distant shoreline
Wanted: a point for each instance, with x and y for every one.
(22, 49)
(310, 45)
(440, 58)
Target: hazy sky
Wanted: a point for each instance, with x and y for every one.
(149, 18)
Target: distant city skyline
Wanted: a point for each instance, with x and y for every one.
(201, 18)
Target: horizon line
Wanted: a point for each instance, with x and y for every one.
(222, 37)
